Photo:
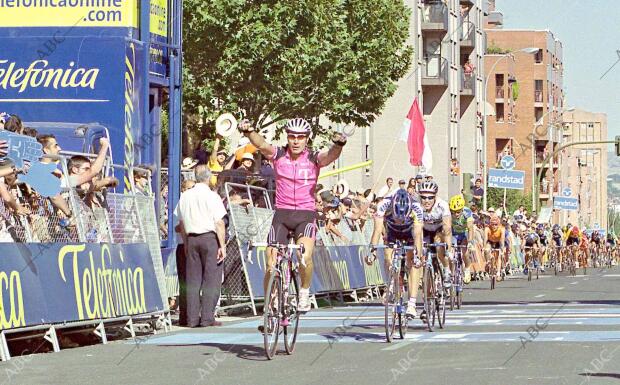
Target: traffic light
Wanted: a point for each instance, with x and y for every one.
(617, 145)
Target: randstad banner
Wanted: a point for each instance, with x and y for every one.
(50, 283)
(77, 79)
(336, 269)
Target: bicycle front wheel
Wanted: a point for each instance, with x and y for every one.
(391, 301)
(292, 324)
(440, 299)
(271, 316)
(429, 297)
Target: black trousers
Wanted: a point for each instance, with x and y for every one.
(204, 279)
(181, 273)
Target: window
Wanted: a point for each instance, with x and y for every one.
(499, 112)
(538, 114)
(538, 91)
(538, 57)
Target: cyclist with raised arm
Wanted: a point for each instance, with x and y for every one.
(437, 224)
(297, 169)
(398, 217)
(462, 230)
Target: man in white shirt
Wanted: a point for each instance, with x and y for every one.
(387, 189)
(201, 212)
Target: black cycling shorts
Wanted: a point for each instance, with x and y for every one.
(573, 241)
(432, 236)
(301, 223)
(391, 236)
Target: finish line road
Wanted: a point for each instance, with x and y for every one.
(555, 330)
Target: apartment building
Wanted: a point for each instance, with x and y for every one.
(532, 126)
(446, 35)
(585, 167)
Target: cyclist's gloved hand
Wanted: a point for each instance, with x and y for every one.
(339, 139)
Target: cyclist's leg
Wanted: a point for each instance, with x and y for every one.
(443, 258)
(305, 234)
(277, 234)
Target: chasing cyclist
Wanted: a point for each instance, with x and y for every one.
(494, 239)
(542, 238)
(462, 230)
(437, 224)
(297, 169)
(398, 217)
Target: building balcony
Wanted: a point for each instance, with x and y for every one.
(468, 36)
(434, 71)
(435, 17)
(540, 157)
(468, 83)
(495, 18)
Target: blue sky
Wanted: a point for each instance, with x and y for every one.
(590, 33)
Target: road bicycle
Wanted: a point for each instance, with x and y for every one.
(281, 298)
(456, 291)
(493, 268)
(533, 263)
(556, 258)
(433, 290)
(396, 294)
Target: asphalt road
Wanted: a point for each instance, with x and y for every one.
(556, 330)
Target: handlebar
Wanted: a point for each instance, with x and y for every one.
(392, 246)
(279, 246)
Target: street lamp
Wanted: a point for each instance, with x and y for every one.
(528, 50)
(535, 180)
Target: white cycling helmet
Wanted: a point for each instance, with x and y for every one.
(298, 126)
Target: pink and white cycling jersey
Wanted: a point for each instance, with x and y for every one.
(295, 179)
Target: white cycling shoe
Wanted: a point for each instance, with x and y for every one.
(304, 301)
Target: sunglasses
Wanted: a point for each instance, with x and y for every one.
(296, 136)
(427, 197)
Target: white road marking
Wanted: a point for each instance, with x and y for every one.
(611, 275)
(574, 283)
(398, 345)
(539, 296)
(560, 288)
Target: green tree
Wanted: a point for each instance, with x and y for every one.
(514, 199)
(284, 59)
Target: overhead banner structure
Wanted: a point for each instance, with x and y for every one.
(46, 283)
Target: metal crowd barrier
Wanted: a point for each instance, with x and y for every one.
(113, 216)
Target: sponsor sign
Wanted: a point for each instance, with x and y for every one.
(48, 283)
(509, 179)
(565, 203)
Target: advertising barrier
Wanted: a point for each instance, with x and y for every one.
(336, 269)
(46, 283)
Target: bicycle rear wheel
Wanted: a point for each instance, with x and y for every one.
(403, 320)
(429, 297)
(391, 301)
(290, 330)
(440, 299)
(271, 316)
